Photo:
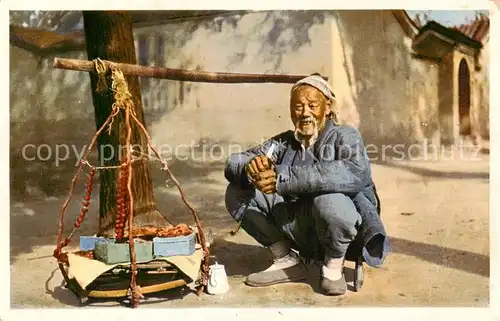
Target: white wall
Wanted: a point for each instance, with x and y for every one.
(391, 96)
(264, 42)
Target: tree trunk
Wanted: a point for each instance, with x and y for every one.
(108, 35)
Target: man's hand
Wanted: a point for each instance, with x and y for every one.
(262, 174)
(266, 182)
(259, 164)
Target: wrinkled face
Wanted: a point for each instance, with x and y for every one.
(308, 110)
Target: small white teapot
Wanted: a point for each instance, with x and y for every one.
(217, 279)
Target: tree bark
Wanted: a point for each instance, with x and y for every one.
(108, 35)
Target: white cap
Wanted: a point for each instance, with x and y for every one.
(317, 82)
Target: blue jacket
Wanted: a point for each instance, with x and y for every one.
(337, 163)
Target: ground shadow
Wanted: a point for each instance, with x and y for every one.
(163, 296)
(204, 186)
(240, 259)
(60, 293)
(456, 259)
(67, 297)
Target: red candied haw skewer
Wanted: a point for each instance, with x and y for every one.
(86, 200)
(118, 218)
(121, 205)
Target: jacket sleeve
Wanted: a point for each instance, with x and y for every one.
(348, 172)
(235, 171)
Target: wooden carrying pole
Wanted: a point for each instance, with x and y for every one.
(179, 74)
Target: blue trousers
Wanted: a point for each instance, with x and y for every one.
(316, 226)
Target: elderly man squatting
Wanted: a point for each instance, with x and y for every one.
(314, 194)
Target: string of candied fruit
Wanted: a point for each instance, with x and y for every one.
(85, 208)
(121, 201)
(86, 199)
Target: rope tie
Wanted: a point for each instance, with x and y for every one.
(119, 86)
(121, 94)
(101, 69)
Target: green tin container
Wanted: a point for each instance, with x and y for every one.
(112, 253)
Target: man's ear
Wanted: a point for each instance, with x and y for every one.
(329, 106)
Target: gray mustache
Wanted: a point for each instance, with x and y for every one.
(312, 119)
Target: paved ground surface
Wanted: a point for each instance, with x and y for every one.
(436, 213)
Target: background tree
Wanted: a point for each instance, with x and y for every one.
(108, 35)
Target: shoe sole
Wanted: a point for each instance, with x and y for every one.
(328, 293)
(256, 285)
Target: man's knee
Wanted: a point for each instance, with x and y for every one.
(234, 200)
(336, 209)
(246, 206)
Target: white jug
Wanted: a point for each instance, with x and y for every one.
(217, 279)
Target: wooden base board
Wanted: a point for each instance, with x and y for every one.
(144, 290)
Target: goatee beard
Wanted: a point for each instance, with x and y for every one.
(306, 140)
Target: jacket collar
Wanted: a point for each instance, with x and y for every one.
(325, 133)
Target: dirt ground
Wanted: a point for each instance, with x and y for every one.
(436, 213)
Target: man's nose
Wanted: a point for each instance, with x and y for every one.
(306, 111)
